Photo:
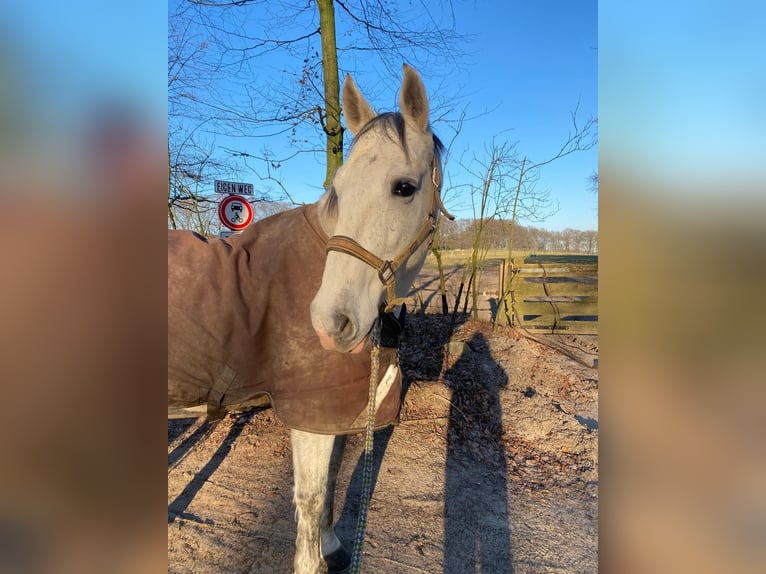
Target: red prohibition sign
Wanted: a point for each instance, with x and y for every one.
(235, 212)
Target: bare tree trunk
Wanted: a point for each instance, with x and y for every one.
(477, 253)
(474, 271)
(468, 290)
(436, 245)
(506, 294)
(442, 283)
(455, 308)
(331, 125)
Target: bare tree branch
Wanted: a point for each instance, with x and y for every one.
(218, 90)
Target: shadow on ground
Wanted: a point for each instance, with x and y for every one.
(477, 534)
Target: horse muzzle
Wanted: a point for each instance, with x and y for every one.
(338, 332)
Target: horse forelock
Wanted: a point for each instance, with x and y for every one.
(394, 126)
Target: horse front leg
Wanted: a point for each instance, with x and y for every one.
(312, 454)
(336, 557)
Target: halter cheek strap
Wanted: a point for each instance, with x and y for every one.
(387, 268)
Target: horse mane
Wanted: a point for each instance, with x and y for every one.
(394, 126)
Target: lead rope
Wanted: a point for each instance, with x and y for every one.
(366, 495)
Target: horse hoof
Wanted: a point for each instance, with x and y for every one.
(338, 562)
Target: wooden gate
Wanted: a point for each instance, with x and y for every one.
(555, 293)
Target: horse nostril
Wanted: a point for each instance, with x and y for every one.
(345, 326)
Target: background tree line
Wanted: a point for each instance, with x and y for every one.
(459, 234)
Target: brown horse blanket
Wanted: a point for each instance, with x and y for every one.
(239, 328)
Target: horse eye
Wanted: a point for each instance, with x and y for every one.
(404, 189)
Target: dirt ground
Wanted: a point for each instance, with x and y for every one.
(493, 467)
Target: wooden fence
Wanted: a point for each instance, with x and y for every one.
(554, 293)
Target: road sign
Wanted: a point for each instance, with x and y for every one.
(235, 212)
(232, 187)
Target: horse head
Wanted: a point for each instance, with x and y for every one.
(380, 212)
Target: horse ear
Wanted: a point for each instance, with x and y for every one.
(358, 112)
(413, 101)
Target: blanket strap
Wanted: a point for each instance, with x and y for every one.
(221, 384)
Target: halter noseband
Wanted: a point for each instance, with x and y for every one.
(387, 268)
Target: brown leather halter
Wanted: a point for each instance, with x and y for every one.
(387, 268)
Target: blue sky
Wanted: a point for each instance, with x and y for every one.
(681, 85)
(526, 68)
(532, 63)
(683, 88)
(74, 53)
